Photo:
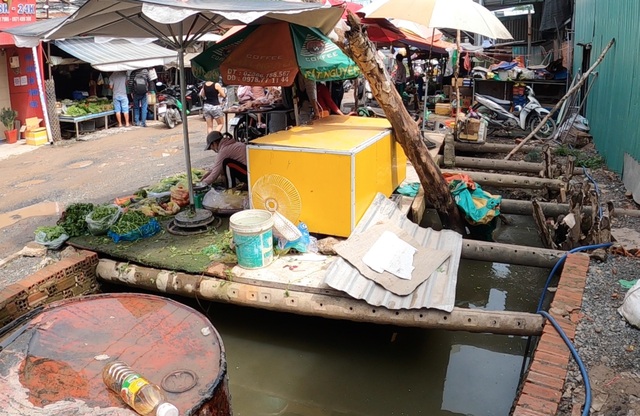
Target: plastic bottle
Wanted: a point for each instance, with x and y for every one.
(142, 396)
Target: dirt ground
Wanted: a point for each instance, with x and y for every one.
(118, 161)
(97, 168)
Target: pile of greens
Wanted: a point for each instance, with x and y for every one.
(129, 221)
(73, 219)
(102, 212)
(50, 232)
(165, 184)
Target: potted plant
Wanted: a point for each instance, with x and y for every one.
(8, 117)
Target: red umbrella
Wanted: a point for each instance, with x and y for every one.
(346, 5)
(381, 30)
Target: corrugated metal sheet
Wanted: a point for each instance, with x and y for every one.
(519, 27)
(437, 292)
(613, 105)
(117, 54)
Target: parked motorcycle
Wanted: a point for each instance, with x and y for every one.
(245, 127)
(496, 112)
(194, 100)
(169, 105)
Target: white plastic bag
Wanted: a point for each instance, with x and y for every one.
(630, 309)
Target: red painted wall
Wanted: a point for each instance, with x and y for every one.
(23, 84)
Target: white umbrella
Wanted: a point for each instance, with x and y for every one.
(180, 23)
(465, 15)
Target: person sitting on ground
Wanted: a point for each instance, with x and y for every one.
(212, 109)
(231, 160)
(118, 83)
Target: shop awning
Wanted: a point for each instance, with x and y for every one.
(116, 54)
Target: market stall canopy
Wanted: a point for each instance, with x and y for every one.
(434, 44)
(30, 35)
(178, 24)
(272, 55)
(166, 19)
(445, 14)
(116, 54)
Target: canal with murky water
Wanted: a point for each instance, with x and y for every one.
(290, 365)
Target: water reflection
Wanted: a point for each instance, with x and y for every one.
(291, 365)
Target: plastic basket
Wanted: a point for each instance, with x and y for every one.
(147, 230)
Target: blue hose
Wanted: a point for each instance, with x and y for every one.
(574, 353)
(595, 184)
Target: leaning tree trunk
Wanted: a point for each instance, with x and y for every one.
(407, 132)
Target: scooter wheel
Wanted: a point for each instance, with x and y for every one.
(547, 131)
(169, 120)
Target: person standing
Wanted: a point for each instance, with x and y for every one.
(212, 93)
(118, 83)
(139, 87)
(400, 77)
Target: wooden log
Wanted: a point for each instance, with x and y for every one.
(553, 209)
(334, 306)
(510, 254)
(500, 180)
(541, 224)
(490, 148)
(407, 132)
(498, 164)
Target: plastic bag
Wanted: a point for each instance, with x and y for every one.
(225, 199)
(147, 230)
(304, 244)
(180, 195)
(630, 309)
(101, 226)
(53, 244)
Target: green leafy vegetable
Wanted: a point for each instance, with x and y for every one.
(129, 221)
(103, 211)
(73, 219)
(50, 232)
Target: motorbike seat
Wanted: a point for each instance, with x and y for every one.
(502, 103)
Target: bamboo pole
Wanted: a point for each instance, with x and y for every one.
(499, 164)
(490, 147)
(292, 299)
(553, 209)
(563, 99)
(509, 181)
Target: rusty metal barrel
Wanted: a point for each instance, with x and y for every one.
(52, 363)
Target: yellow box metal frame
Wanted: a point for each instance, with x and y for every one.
(337, 165)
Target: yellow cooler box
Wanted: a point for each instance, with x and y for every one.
(334, 167)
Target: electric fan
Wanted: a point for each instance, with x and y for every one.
(278, 195)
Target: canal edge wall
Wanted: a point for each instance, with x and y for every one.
(542, 387)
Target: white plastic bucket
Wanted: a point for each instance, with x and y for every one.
(252, 237)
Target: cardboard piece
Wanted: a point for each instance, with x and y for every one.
(426, 261)
(32, 123)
